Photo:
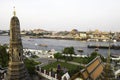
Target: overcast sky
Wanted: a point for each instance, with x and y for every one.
(62, 15)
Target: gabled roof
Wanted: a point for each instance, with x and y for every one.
(92, 71)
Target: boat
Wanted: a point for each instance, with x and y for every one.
(96, 49)
(43, 45)
(80, 50)
(30, 40)
(112, 46)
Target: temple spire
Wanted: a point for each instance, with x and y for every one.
(16, 67)
(14, 12)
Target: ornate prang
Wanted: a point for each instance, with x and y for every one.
(16, 68)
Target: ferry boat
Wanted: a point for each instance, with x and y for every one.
(80, 50)
(103, 46)
(30, 40)
(43, 45)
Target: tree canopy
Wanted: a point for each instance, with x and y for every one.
(94, 55)
(30, 65)
(4, 56)
(68, 51)
(58, 55)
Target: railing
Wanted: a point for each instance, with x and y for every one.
(47, 74)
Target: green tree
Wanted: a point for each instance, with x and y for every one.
(94, 55)
(30, 65)
(68, 51)
(4, 56)
(71, 52)
(58, 55)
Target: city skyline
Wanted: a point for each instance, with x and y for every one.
(60, 15)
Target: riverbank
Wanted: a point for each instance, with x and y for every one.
(59, 45)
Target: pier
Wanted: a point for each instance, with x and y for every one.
(103, 46)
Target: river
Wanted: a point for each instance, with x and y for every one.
(59, 45)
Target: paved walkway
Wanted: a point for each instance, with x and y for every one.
(45, 61)
(75, 63)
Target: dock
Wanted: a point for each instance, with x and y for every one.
(102, 46)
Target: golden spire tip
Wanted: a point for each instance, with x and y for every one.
(14, 12)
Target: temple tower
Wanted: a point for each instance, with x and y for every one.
(16, 68)
(109, 72)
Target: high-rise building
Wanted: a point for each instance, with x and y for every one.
(16, 68)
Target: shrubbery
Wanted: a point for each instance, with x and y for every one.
(30, 65)
(4, 56)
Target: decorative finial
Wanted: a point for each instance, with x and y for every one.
(14, 12)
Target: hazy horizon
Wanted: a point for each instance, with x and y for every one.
(62, 15)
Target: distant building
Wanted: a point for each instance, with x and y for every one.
(37, 31)
(83, 35)
(23, 32)
(74, 31)
(4, 32)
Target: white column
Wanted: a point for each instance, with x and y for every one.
(44, 71)
(4, 75)
(49, 73)
(40, 69)
(55, 76)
